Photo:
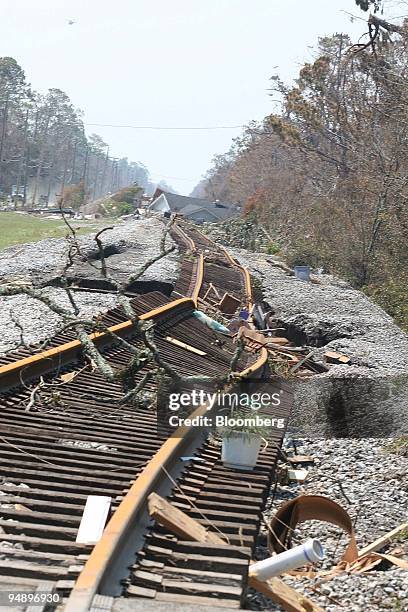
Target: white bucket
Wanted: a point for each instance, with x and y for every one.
(309, 552)
(241, 451)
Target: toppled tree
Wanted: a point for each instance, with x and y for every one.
(84, 328)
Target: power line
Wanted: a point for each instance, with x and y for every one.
(156, 127)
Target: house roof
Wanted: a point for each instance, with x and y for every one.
(185, 205)
(193, 208)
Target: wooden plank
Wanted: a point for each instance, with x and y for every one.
(183, 345)
(205, 576)
(200, 587)
(301, 459)
(42, 543)
(184, 526)
(334, 357)
(198, 560)
(228, 550)
(29, 570)
(172, 518)
(229, 303)
(147, 577)
(18, 553)
(383, 540)
(93, 519)
(139, 591)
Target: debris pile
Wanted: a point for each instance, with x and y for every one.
(241, 233)
(347, 473)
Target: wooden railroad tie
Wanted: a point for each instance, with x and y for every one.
(184, 526)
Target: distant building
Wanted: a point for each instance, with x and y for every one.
(196, 209)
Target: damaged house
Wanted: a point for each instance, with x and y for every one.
(195, 209)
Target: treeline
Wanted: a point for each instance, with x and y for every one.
(327, 175)
(44, 151)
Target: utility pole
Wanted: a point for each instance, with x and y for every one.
(96, 177)
(73, 162)
(3, 136)
(22, 158)
(41, 160)
(85, 171)
(105, 168)
(64, 174)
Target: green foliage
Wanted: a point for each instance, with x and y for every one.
(393, 297)
(19, 229)
(366, 4)
(304, 253)
(398, 446)
(44, 135)
(116, 209)
(74, 196)
(127, 195)
(273, 248)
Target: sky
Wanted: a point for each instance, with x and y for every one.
(168, 63)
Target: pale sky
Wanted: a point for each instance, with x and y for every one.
(168, 63)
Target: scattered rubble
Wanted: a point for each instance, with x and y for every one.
(347, 471)
(241, 233)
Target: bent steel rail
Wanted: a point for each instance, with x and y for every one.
(105, 551)
(59, 355)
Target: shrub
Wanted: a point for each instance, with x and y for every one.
(127, 195)
(273, 248)
(392, 296)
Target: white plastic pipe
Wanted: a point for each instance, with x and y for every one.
(309, 552)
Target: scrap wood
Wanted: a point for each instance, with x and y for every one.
(333, 357)
(383, 540)
(181, 524)
(317, 507)
(188, 347)
(276, 340)
(301, 459)
(209, 290)
(297, 475)
(258, 337)
(229, 303)
(359, 566)
(370, 560)
(301, 362)
(252, 335)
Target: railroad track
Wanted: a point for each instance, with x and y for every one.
(80, 442)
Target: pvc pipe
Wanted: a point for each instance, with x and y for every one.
(309, 552)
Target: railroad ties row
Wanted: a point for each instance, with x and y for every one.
(79, 442)
(82, 443)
